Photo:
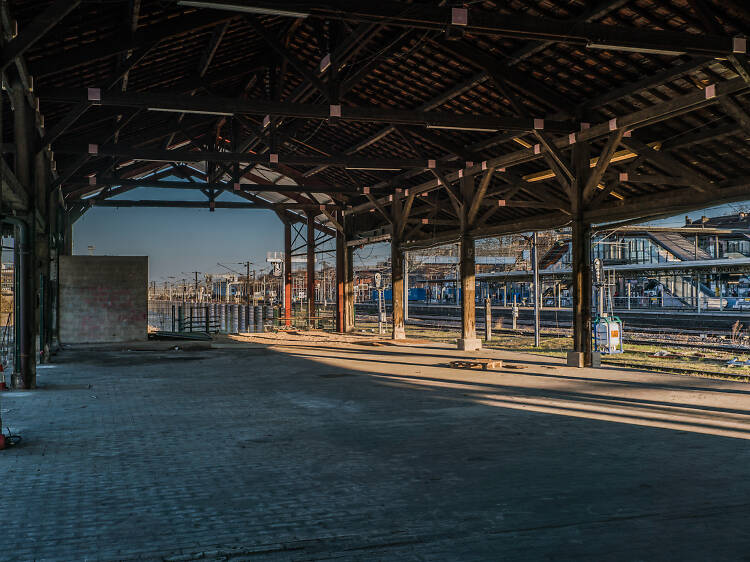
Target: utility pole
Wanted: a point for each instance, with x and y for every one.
(247, 282)
(184, 290)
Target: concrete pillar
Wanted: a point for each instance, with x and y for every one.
(310, 267)
(288, 273)
(397, 289)
(467, 270)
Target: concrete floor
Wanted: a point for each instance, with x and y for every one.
(318, 450)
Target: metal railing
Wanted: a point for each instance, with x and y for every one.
(179, 316)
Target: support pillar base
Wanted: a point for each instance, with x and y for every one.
(398, 334)
(575, 359)
(16, 382)
(469, 344)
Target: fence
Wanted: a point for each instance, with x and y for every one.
(179, 316)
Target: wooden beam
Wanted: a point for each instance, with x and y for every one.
(736, 112)
(602, 164)
(176, 102)
(479, 196)
(405, 213)
(201, 204)
(155, 155)
(106, 181)
(669, 164)
(284, 53)
(493, 23)
(106, 47)
(380, 208)
(14, 194)
(37, 29)
(741, 66)
(443, 180)
(632, 121)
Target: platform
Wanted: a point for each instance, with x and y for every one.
(364, 450)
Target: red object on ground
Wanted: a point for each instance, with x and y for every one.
(3, 386)
(2, 441)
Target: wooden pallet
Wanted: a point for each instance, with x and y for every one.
(484, 364)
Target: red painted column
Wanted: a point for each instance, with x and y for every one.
(288, 274)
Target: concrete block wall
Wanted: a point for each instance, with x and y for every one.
(103, 298)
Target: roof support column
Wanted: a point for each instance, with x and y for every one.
(310, 269)
(470, 200)
(43, 255)
(397, 289)
(397, 273)
(287, 273)
(24, 375)
(581, 356)
(467, 268)
(349, 290)
(341, 255)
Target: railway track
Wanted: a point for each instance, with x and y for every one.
(641, 336)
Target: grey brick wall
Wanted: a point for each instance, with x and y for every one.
(103, 298)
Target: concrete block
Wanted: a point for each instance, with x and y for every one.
(469, 344)
(103, 298)
(575, 359)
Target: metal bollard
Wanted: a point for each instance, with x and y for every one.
(514, 312)
(258, 312)
(235, 319)
(223, 317)
(241, 319)
(208, 319)
(174, 311)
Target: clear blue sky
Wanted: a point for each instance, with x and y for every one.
(184, 240)
(180, 240)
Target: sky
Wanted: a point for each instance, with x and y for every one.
(180, 241)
